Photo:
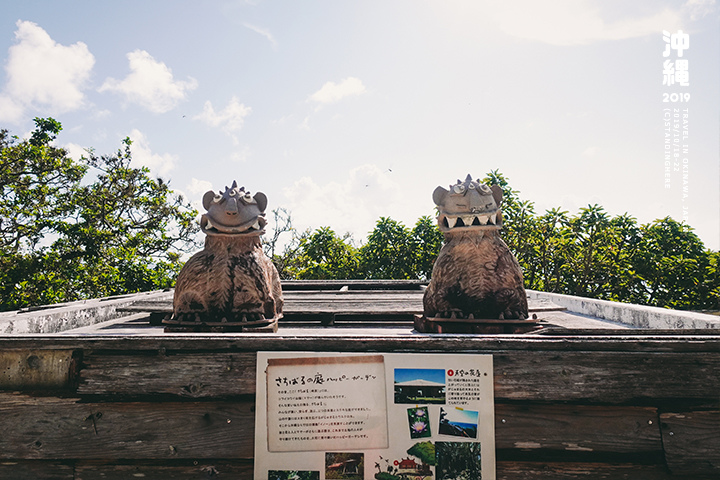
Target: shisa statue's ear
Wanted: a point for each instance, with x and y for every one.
(261, 200)
(207, 199)
(439, 195)
(497, 194)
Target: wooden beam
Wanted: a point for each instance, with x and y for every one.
(197, 470)
(579, 471)
(577, 428)
(190, 375)
(37, 369)
(378, 340)
(37, 470)
(52, 428)
(692, 441)
(63, 428)
(592, 377)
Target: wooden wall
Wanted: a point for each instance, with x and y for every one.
(182, 406)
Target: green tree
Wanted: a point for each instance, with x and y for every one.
(425, 451)
(426, 242)
(550, 247)
(672, 263)
(67, 237)
(388, 252)
(325, 256)
(37, 180)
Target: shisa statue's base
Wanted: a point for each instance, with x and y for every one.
(199, 324)
(424, 324)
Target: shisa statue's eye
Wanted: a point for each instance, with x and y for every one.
(459, 188)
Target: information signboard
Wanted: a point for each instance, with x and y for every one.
(374, 416)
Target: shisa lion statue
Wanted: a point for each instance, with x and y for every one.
(231, 285)
(475, 276)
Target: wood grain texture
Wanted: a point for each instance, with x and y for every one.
(577, 428)
(579, 471)
(54, 428)
(593, 377)
(600, 377)
(39, 470)
(378, 340)
(191, 375)
(36, 369)
(692, 441)
(212, 470)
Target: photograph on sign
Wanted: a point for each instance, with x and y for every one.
(374, 416)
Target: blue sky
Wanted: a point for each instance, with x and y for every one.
(410, 374)
(343, 112)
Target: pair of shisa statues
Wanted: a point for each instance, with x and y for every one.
(232, 285)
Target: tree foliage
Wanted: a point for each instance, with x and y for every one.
(97, 226)
(425, 451)
(323, 255)
(79, 229)
(592, 254)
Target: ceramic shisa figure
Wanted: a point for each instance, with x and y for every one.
(475, 276)
(231, 285)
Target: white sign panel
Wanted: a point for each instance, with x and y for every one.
(374, 416)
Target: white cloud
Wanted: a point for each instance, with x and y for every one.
(150, 84)
(575, 22)
(143, 156)
(198, 187)
(333, 92)
(697, 9)
(241, 155)
(41, 73)
(354, 205)
(75, 151)
(230, 119)
(10, 109)
(264, 32)
(590, 151)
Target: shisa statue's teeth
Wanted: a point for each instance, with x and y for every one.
(256, 225)
(452, 221)
(493, 218)
(468, 219)
(483, 219)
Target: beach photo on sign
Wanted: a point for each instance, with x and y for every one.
(349, 466)
(458, 461)
(458, 422)
(293, 475)
(419, 422)
(419, 385)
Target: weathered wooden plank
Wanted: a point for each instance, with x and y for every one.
(351, 302)
(378, 340)
(577, 428)
(38, 470)
(579, 471)
(692, 441)
(198, 470)
(53, 428)
(192, 375)
(36, 369)
(607, 377)
(288, 285)
(595, 377)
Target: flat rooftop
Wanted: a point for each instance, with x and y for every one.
(355, 308)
